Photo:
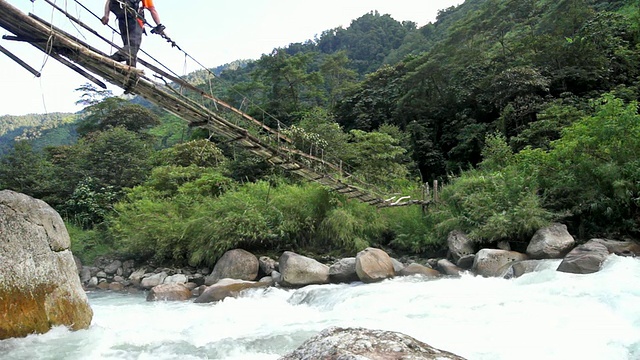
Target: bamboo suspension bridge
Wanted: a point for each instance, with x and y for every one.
(225, 120)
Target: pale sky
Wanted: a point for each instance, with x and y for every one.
(212, 32)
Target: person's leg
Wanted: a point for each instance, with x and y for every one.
(135, 40)
(121, 55)
(131, 34)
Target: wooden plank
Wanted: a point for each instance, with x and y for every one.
(26, 66)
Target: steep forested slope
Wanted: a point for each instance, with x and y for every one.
(36, 126)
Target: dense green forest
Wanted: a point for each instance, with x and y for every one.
(526, 111)
(41, 129)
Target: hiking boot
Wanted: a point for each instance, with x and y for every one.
(131, 61)
(118, 56)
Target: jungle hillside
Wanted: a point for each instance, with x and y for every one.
(525, 113)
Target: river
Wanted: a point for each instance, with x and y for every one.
(542, 315)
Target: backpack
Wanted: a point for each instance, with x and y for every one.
(125, 7)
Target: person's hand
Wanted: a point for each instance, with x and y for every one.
(105, 19)
(158, 29)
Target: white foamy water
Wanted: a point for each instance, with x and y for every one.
(543, 315)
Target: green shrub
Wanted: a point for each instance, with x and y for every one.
(351, 227)
(413, 230)
(491, 206)
(593, 172)
(87, 245)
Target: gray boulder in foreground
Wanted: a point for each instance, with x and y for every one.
(360, 344)
(39, 283)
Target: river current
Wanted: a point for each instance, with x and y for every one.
(541, 315)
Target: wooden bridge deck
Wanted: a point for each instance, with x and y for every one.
(274, 147)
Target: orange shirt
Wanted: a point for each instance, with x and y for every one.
(146, 4)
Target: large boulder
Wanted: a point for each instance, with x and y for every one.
(169, 292)
(585, 259)
(39, 283)
(459, 245)
(343, 271)
(227, 288)
(337, 343)
(234, 264)
(491, 262)
(373, 265)
(297, 270)
(552, 242)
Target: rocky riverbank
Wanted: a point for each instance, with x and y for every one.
(239, 270)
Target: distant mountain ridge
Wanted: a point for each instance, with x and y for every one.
(51, 129)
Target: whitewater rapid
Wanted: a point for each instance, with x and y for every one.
(542, 315)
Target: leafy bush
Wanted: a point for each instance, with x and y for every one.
(413, 230)
(90, 203)
(491, 206)
(351, 227)
(202, 153)
(593, 171)
(87, 245)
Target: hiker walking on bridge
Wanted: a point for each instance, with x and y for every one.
(130, 15)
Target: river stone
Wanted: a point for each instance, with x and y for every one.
(552, 242)
(620, 248)
(418, 269)
(337, 343)
(169, 292)
(85, 275)
(397, 265)
(113, 267)
(234, 264)
(137, 276)
(343, 271)
(227, 288)
(518, 268)
(176, 279)
(39, 283)
(466, 262)
(267, 265)
(459, 245)
(297, 270)
(490, 262)
(448, 268)
(153, 280)
(127, 268)
(116, 286)
(585, 259)
(373, 265)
